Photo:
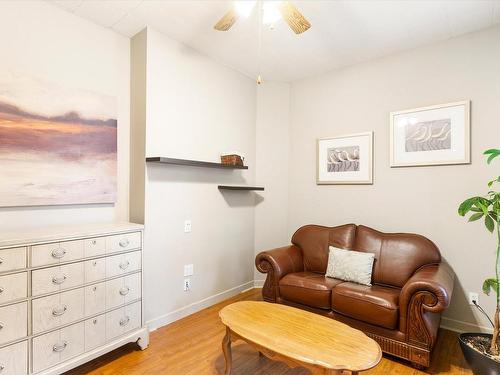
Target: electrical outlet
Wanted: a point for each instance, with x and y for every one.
(187, 285)
(473, 297)
(187, 226)
(188, 270)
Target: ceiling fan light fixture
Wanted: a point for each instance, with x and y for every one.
(271, 12)
(244, 7)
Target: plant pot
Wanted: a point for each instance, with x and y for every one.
(478, 362)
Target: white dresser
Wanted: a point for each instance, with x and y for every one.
(69, 295)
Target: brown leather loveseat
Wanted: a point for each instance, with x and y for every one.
(401, 310)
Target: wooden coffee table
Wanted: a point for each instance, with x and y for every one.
(298, 338)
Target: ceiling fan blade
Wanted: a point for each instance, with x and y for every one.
(226, 21)
(294, 18)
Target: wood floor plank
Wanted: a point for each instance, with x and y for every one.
(192, 346)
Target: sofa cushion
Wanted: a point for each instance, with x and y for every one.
(350, 265)
(308, 288)
(397, 255)
(314, 240)
(378, 305)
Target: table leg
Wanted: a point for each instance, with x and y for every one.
(226, 349)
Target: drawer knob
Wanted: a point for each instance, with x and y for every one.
(94, 321)
(59, 280)
(1, 290)
(59, 348)
(1, 325)
(124, 243)
(94, 242)
(2, 367)
(124, 321)
(124, 291)
(94, 263)
(60, 311)
(124, 265)
(1, 261)
(58, 253)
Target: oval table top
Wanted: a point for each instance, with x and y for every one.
(302, 335)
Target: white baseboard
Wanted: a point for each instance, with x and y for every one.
(460, 326)
(172, 316)
(258, 283)
(153, 324)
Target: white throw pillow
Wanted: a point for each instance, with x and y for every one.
(350, 265)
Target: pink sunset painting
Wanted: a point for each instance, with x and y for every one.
(57, 145)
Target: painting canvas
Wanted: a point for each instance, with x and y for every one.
(57, 145)
(431, 135)
(345, 159)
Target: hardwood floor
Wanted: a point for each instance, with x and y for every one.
(192, 346)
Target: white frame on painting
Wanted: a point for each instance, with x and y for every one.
(440, 135)
(352, 155)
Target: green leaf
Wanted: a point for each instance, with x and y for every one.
(466, 206)
(490, 224)
(493, 153)
(476, 216)
(490, 183)
(489, 285)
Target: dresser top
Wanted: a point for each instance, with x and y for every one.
(49, 234)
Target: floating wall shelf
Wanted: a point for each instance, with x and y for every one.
(247, 188)
(192, 163)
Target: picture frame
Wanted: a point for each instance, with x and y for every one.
(345, 160)
(433, 135)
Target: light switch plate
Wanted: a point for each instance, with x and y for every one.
(188, 270)
(187, 226)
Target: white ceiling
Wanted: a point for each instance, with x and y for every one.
(342, 33)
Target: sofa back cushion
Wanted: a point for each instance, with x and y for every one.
(314, 241)
(397, 255)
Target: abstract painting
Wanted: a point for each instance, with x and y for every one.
(431, 136)
(57, 145)
(345, 159)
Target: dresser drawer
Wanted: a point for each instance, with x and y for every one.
(123, 290)
(123, 320)
(94, 247)
(12, 259)
(56, 252)
(14, 359)
(58, 346)
(95, 299)
(54, 279)
(13, 287)
(123, 242)
(95, 270)
(54, 311)
(13, 322)
(95, 332)
(123, 263)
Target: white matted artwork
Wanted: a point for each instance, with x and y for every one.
(436, 135)
(345, 159)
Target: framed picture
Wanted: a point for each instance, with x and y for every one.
(346, 159)
(436, 135)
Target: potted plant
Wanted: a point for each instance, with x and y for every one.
(482, 351)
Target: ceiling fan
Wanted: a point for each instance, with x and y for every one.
(272, 11)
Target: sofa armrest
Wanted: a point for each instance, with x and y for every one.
(277, 263)
(424, 296)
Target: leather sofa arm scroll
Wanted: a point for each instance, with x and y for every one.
(277, 263)
(424, 296)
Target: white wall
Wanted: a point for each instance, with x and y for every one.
(272, 153)
(43, 41)
(196, 109)
(420, 199)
